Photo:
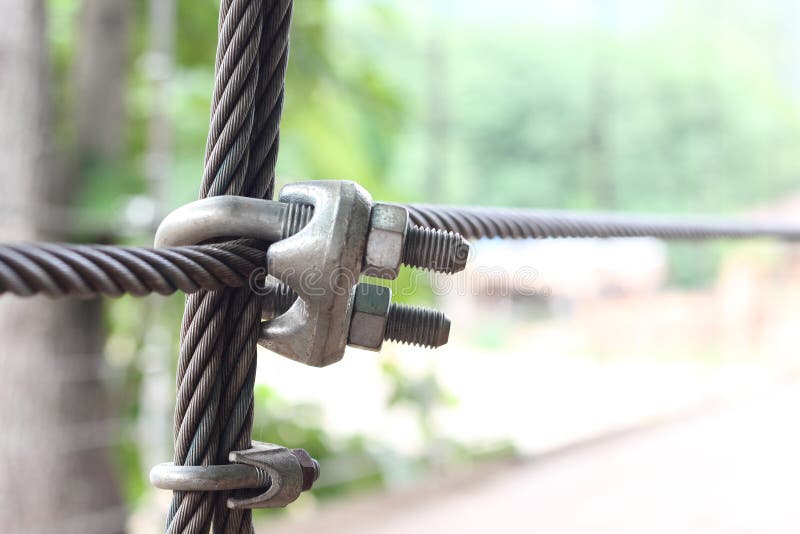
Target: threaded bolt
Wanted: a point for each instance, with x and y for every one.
(425, 248)
(417, 326)
(295, 217)
(434, 249)
(281, 298)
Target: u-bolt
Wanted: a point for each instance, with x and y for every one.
(269, 220)
(231, 216)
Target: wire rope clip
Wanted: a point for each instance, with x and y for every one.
(263, 476)
(321, 263)
(323, 235)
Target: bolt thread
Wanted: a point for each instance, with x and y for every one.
(434, 249)
(295, 218)
(280, 298)
(263, 480)
(417, 326)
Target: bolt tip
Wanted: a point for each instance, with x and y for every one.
(444, 333)
(461, 256)
(435, 249)
(317, 469)
(417, 326)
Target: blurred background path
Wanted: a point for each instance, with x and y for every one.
(732, 470)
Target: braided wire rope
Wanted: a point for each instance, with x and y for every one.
(518, 223)
(219, 334)
(59, 270)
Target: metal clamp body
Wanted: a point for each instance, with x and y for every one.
(323, 235)
(279, 474)
(321, 263)
(284, 470)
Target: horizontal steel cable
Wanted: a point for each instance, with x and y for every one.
(512, 223)
(60, 270)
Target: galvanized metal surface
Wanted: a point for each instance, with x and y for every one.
(290, 473)
(169, 476)
(386, 241)
(416, 325)
(376, 319)
(279, 473)
(371, 305)
(435, 249)
(227, 217)
(331, 232)
(321, 264)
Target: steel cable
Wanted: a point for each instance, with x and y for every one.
(62, 270)
(511, 223)
(65, 270)
(216, 371)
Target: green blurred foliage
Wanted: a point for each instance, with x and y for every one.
(680, 131)
(424, 395)
(687, 116)
(694, 264)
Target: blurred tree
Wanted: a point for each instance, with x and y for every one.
(686, 111)
(100, 77)
(342, 113)
(52, 405)
(157, 391)
(436, 109)
(600, 115)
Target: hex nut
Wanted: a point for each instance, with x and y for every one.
(369, 315)
(309, 467)
(387, 236)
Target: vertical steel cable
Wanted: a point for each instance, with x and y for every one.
(216, 370)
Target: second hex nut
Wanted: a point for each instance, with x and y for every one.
(369, 315)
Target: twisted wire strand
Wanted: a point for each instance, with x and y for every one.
(264, 139)
(236, 409)
(199, 381)
(511, 223)
(220, 330)
(60, 270)
(69, 270)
